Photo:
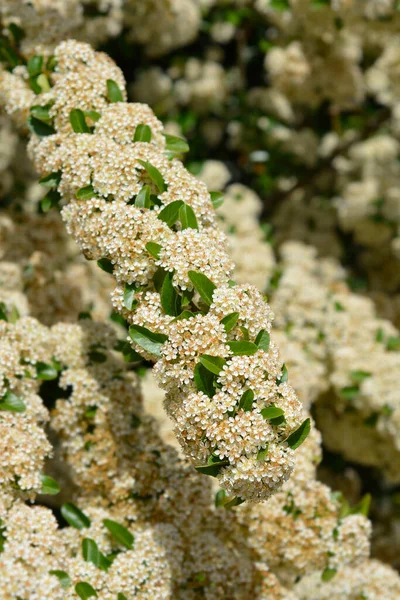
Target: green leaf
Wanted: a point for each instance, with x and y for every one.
(230, 321)
(42, 113)
(45, 371)
(246, 401)
(185, 314)
(86, 193)
(3, 312)
(262, 453)
(63, 578)
(154, 175)
(393, 343)
(158, 279)
(97, 357)
(130, 290)
(39, 128)
(338, 307)
(284, 376)
(74, 516)
(203, 285)
(142, 133)
(361, 508)
(328, 574)
(349, 392)
(175, 145)
(263, 340)
(187, 217)
(92, 114)
(78, 122)
(153, 249)
(106, 265)
(235, 501)
(204, 380)
(51, 180)
(121, 534)
(90, 551)
(296, 438)
(169, 214)
(214, 364)
(143, 199)
(146, 339)
(16, 31)
(271, 412)
(242, 348)
(12, 403)
(34, 65)
(170, 299)
(114, 94)
(121, 596)
(43, 82)
(359, 376)
(85, 590)
(50, 200)
(217, 199)
(213, 466)
(49, 485)
(220, 498)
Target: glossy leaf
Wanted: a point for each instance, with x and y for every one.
(142, 133)
(106, 265)
(246, 401)
(169, 214)
(39, 128)
(63, 578)
(175, 145)
(170, 299)
(46, 372)
(154, 175)
(271, 412)
(90, 551)
(74, 516)
(230, 321)
(143, 199)
(153, 249)
(12, 403)
(114, 94)
(120, 533)
(296, 438)
(49, 485)
(214, 364)
(217, 199)
(262, 453)
(204, 380)
(52, 180)
(146, 339)
(78, 121)
(203, 285)
(187, 217)
(243, 348)
(263, 340)
(86, 193)
(34, 65)
(85, 590)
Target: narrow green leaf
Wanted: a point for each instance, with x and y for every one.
(106, 265)
(349, 392)
(328, 574)
(34, 65)
(154, 175)
(230, 321)
(158, 279)
(169, 214)
(185, 314)
(3, 312)
(296, 438)
(42, 113)
(220, 497)
(39, 128)
(74, 516)
(121, 596)
(359, 376)
(284, 376)
(130, 290)
(143, 199)
(204, 380)
(146, 339)
(63, 578)
(242, 348)
(16, 31)
(262, 453)
(12, 403)
(51, 180)
(203, 285)
(50, 200)
(142, 133)
(43, 83)
(49, 485)
(235, 501)
(175, 145)
(217, 199)
(114, 94)
(213, 466)
(153, 249)
(121, 533)
(46, 372)
(78, 122)
(92, 114)
(86, 193)
(90, 551)
(263, 340)
(212, 363)
(246, 401)
(187, 217)
(271, 412)
(170, 299)
(85, 590)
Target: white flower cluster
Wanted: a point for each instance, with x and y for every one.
(154, 225)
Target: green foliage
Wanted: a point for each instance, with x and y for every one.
(12, 403)
(78, 121)
(114, 94)
(120, 533)
(296, 438)
(74, 516)
(204, 286)
(49, 486)
(146, 339)
(142, 133)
